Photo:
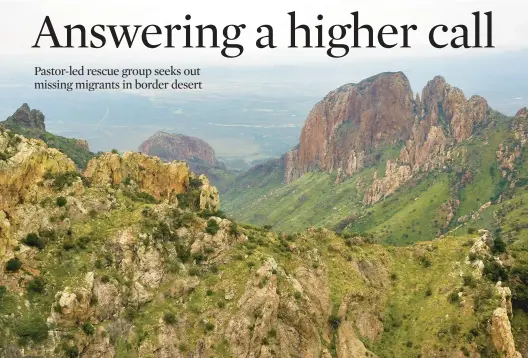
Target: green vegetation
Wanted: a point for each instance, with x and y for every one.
(69, 146)
(34, 240)
(13, 265)
(61, 201)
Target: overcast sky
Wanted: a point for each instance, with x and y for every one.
(21, 21)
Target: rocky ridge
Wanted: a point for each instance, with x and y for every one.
(346, 130)
(107, 271)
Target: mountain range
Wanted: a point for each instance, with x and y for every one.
(397, 227)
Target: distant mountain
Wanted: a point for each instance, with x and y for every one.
(375, 158)
(197, 153)
(31, 124)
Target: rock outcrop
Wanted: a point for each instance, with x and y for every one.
(27, 118)
(171, 147)
(23, 164)
(350, 121)
(161, 180)
(502, 335)
(350, 125)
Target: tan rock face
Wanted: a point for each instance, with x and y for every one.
(502, 335)
(395, 176)
(161, 180)
(352, 120)
(446, 106)
(209, 197)
(27, 160)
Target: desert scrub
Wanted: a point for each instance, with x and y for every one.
(88, 328)
(212, 227)
(61, 201)
(34, 240)
(169, 318)
(31, 328)
(13, 265)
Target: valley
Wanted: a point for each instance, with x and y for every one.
(396, 227)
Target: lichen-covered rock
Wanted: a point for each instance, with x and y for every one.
(209, 197)
(161, 180)
(502, 335)
(395, 176)
(23, 167)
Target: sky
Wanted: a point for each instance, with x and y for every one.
(21, 22)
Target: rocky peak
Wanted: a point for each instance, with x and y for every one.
(171, 147)
(344, 130)
(350, 122)
(26, 117)
(522, 113)
(446, 106)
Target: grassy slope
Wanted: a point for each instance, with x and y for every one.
(412, 214)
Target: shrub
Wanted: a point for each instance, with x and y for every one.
(428, 292)
(209, 326)
(212, 227)
(61, 201)
(297, 295)
(68, 245)
(169, 318)
(34, 240)
(184, 252)
(471, 230)
(34, 328)
(3, 291)
(453, 297)
(88, 328)
(13, 265)
(115, 151)
(499, 246)
(494, 271)
(209, 292)
(71, 351)
(469, 281)
(36, 285)
(62, 180)
(234, 229)
(334, 321)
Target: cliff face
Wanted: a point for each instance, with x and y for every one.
(350, 125)
(161, 180)
(23, 164)
(171, 147)
(350, 121)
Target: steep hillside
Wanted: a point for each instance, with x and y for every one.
(133, 259)
(30, 123)
(198, 154)
(443, 159)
